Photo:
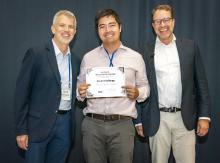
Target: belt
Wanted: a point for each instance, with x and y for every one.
(113, 117)
(62, 111)
(170, 109)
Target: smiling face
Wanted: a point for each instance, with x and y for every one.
(63, 29)
(163, 25)
(109, 30)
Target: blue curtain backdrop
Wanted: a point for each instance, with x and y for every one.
(26, 23)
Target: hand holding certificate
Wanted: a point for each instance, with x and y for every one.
(105, 82)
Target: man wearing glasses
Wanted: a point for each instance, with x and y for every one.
(179, 96)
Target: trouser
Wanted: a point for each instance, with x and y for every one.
(55, 148)
(113, 140)
(172, 133)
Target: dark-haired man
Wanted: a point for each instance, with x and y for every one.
(108, 131)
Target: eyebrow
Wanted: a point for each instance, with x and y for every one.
(108, 23)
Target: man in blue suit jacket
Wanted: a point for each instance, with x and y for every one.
(179, 98)
(45, 95)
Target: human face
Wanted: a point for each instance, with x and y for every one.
(63, 30)
(163, 25)
(109, 30)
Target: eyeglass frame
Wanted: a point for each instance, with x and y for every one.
(164, 20)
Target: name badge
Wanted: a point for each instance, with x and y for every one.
(66, 94)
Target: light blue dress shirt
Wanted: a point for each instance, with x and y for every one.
(64, 66)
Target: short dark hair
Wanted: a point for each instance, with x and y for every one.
(106, 12)
(165, 7)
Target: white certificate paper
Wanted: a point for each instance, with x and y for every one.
(105, 82)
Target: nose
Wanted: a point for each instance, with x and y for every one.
(162, 23)
(107, 28)
(66, 28)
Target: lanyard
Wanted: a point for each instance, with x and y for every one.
(111, 58)
(69, 63)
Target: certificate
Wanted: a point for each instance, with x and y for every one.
(105, 82)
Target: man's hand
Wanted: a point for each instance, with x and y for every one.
(22, 141)
(132, 92)
(140, 130)
(82, 89)
(202, 127)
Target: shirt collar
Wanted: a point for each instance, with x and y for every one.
(57, 50)
(120, 47)
(161, 43)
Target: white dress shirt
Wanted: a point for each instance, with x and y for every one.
(167, 66)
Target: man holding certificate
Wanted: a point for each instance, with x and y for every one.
(112, 77)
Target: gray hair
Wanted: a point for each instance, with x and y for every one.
(66, 13)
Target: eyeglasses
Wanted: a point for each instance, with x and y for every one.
(164, 20)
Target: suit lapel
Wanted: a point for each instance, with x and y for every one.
(74, 67)
(53, 62)
(152, 75)
(180, 50)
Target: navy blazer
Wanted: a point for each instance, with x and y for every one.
(195, 94)
(38, 92)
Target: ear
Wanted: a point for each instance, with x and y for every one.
(153, 25)
(173, 22)
(120, 28)
(74, 31)
(52, 29)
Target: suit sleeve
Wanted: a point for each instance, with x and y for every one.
(202, 91)
(22, 93)
(139, 114)
(81, 78)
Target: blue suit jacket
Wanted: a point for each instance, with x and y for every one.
(38, 92)
(195, 94)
